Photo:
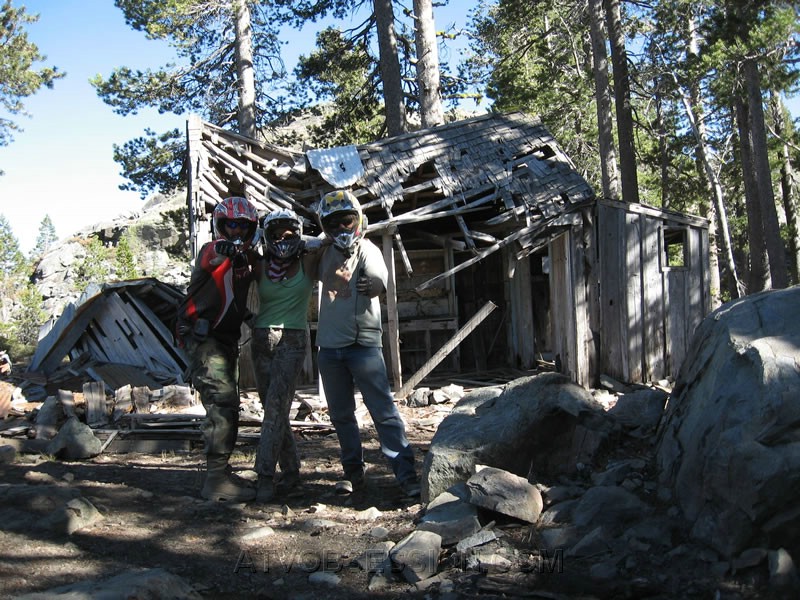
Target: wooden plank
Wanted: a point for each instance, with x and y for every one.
(391, 313)
(67, 401)
(655, 319)
(480, 256)
(122, 403)
(470, 325)
(634, 297)
(141, 399)
(95, 395)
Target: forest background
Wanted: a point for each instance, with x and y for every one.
(673, 103)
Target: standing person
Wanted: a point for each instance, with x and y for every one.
(285, 283)
(353, 275)
(209, 326)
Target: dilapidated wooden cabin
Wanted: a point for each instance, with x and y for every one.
(499, 252)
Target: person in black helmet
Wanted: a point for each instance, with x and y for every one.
(349, 335)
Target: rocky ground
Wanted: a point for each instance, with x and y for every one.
(311, 544)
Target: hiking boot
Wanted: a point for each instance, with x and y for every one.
(265, 491)
(351, 482)
(411, 488)
(288, 482)
(219, 487)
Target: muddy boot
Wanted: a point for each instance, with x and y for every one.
(219, 487)
(266, 490)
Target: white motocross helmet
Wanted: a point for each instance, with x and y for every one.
(281, 219)
(338, 204)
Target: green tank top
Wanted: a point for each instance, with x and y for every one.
(284, 303)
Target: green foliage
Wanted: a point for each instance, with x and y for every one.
(94, 268)
(12, 260)
(18, 76)
(534, 57)
(125, 261)
(46, 238)
(179, 219)
(203, 80)
(153, 162)
(29, 317)
(341, 72)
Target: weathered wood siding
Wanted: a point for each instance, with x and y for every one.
(648, 309)
(569, 302)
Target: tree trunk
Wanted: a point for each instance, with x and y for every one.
(608, 156)
(390, 68)
(763, 173)
(244, 70)
(787, 188)
(622, 97)
(719, 233)
(430, 96)
(758, 278)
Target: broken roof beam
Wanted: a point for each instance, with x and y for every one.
(478, 257)
(439, 240)
(276, 152)
(449, 346)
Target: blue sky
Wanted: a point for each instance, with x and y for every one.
(61, 164)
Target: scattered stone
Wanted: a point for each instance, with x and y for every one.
(317, 524)
(8, 454)
(505, 493)
(482, 537)
(379, 533)
(74, 441)
(417, 555)
(369, 514)
(782, 571)
(324, 578)
(256, 533)
(142, 583)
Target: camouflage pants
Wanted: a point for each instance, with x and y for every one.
(278, 356)
(214, 369)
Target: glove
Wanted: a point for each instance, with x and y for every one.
(364, 285)
(225, 248)
(239, 261)
(311, 244)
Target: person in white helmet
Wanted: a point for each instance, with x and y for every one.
(208, 327)
(285, 283)
(349, 335)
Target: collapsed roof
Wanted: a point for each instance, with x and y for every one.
(478, 184)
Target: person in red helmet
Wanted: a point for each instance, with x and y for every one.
(208, 327)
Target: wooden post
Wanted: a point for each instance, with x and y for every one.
(94, 393)
(194, 132)
(391, 310)
(434, 360)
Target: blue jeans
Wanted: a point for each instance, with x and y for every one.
(341, 369)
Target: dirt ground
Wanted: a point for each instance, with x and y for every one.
(153, 517)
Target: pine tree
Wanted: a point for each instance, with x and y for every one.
(125, 261)
(46, 238)
(11, 259)
(18, 77)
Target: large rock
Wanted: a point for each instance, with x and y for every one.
(542, 424)
(728, 444)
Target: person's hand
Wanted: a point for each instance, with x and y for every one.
(364, 285)
(225, 248)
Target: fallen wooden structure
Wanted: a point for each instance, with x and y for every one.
(485, 209)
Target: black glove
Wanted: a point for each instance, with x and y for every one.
(239, 261)
(225, 248)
